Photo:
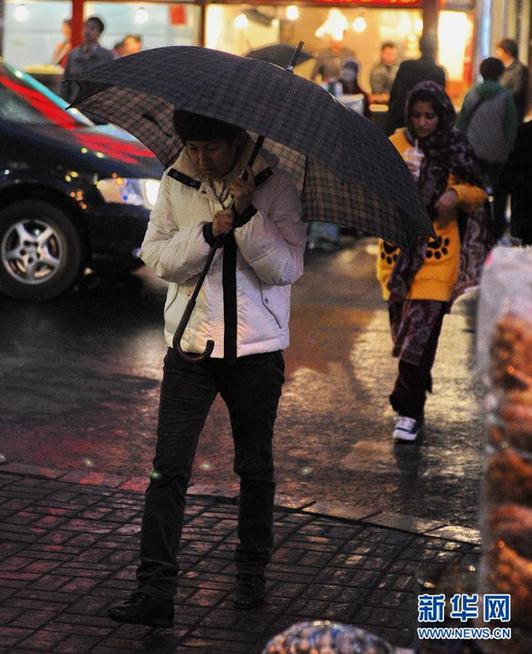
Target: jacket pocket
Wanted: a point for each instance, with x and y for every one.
(276, 300)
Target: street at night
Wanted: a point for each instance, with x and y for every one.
(266, 338)
(80, 384)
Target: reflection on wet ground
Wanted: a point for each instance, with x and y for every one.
(80, 377)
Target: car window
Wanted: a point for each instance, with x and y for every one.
(15, 109)
(25, 100)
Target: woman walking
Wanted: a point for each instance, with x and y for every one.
(420, 287)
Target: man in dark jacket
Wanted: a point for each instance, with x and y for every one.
(515, 75)
(517, 180)
(86, 56)
(410, 73)
(489, 120)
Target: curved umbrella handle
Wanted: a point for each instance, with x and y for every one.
(195, 358)
(176, 341)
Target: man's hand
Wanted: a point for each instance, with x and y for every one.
(222, 223)
(242, 191)
(445, 205)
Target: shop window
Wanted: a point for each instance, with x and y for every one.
(33, 29)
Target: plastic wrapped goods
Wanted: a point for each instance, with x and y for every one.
(505, 361)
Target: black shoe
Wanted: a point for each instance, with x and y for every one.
(144, 609)
(250, 591)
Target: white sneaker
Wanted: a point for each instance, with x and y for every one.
(406, 429)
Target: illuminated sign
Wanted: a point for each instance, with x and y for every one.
(372, 3)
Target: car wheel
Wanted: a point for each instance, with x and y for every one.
(40, 250)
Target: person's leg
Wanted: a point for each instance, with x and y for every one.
(252, 388)
(414, 381)
(491, 172)
(323, 236)
(500, 199)
(187, 392)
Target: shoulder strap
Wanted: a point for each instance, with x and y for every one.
(194, 183)
(184, 179)
(473, 111)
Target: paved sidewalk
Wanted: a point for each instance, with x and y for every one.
(68, 549)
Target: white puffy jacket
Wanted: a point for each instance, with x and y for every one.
(269, 258)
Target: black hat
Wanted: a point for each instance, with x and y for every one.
(195, 127)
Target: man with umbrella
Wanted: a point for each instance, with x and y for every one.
(207, 195)
(349, 173)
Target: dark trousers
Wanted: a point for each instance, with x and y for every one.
(491, 176)
(414, 382)
(251, 388)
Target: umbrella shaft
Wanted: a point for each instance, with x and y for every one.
(202, 276)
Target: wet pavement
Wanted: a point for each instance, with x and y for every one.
(80, 377)
(358, 518)
(70, 545)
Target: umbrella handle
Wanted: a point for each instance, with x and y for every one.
(176, 342)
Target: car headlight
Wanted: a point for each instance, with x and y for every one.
(129, 190)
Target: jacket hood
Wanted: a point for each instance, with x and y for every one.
(488, 89)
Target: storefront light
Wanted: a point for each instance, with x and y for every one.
(21, 13)
(241, 22)
(292, 12)
(141, 16)
(360, 24)
(335, 25)
(454, 31)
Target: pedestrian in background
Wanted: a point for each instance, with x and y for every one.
(350, 85)
(330, 60)
(118, 49)
(63, 48)
(516, 179)
(515, 75)
(321, 235)
(86, 56)
(410, 73)
(419, 287)
(244, 307)
(382, 75)
(130, 44)
(488, 118)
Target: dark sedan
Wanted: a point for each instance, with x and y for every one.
(72, 194)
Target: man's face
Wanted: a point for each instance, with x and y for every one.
(92, 31)
(214, 159)
(389, 56)
(503, 56)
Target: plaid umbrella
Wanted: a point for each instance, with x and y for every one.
(279, 54)
(349, 172)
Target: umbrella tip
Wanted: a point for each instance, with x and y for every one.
(295, 57)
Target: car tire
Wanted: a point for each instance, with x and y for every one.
(41, 253)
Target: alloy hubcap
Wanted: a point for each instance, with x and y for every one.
(31, 251)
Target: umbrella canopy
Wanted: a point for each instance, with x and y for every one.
(279, 54)
(350, 173)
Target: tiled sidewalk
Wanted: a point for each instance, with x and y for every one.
(68, 550)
